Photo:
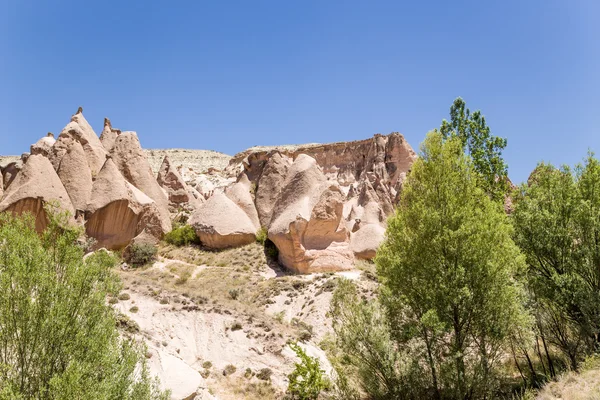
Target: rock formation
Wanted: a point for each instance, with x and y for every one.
(221, 223)
(35, 186)
(307, 222)
(269, 185)
(108, 135)
(118, 211)
(129, 158)
(347, 162)
(79, 130)
(44, 145)
(76, 176)
(179, 193)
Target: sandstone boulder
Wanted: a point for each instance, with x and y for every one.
(366, 240)
(131, 161)
(307, 222)
(221, 223)
(36, 185)
(118, 211)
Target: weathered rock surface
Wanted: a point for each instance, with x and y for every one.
(129, 158)
(366, 240)
(43, 146)
(307, 222)
(347, 162)
(239, 193)
(179, 193)
(76, 176)
(221, 223)
(118, 211)
(34, 186)
(79, 130)
(9, 172)
(269, 185)
(108, 135)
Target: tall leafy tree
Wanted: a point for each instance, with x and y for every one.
(557, 225)
(447, 268)
(484, 148)
(58, 337)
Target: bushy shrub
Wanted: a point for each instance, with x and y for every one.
(307, 380)
(262, 236)
(182, 236)
(229, 370)
(264, 374)
(141, 253)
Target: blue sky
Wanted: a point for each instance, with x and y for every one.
(225, 75)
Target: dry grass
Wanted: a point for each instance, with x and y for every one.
(575, 386)
(247, 257)
(244, 388)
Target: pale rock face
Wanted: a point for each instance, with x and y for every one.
(10, 172)
(76, 176)
(366, 240)
(34, 186)
(269, 185)
(118, 211)
(79, 130)
(220, 223)
(108, 135)
(239, 193)
(130, 160)
(346, 162)
(178, 192)
(43, 146)
(307, 225)
(1, 186)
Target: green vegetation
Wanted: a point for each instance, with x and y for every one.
(141, 253)
(58, 337)
(262, 235)
(307, 380)
(182, 236)
(557, 224)
(484, 149)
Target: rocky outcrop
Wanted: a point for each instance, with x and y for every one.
(179, 193)
(10, 171)
(76, 176)
(1, 185)
(79, 130)
(108, 135)
(43, 146)
(129, 158)
(35, 186)
(239, 193)
(307, 222)
(365, 241)
(118, 211)
(269, 185)
(346, 162)
(221, 223)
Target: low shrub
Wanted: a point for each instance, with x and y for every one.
(182, 236)
(307, 380)
(264, 374)
(141, 253)
(262, 236)
(229, 370)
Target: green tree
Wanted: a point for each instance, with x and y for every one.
(448, 267)
(557, 226)
(307, 380)
(58, 337)
(484, 148)
(384, 370)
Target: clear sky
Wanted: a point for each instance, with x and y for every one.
(225, 75)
